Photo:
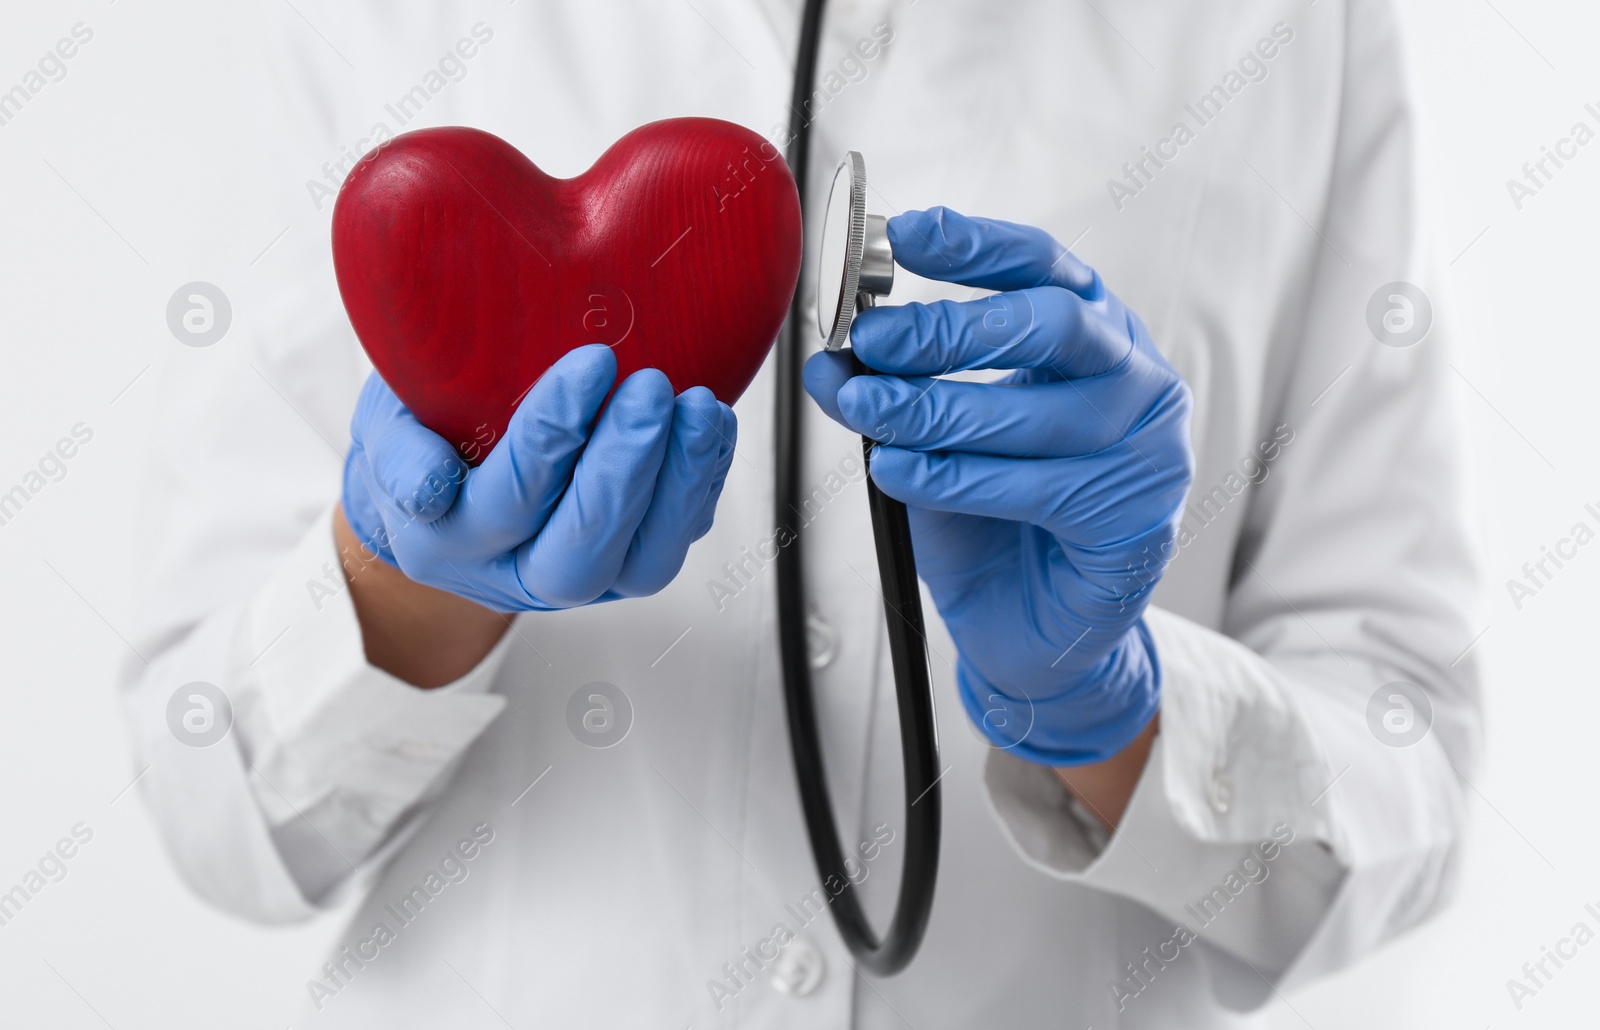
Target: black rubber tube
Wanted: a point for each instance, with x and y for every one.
(908, 650)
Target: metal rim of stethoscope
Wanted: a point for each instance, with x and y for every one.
(902, 603)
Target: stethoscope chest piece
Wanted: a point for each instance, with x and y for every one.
(855, 264)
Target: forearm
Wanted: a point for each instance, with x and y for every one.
(424, 636)
(1105, 787)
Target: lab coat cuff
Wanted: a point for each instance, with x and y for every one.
(1240, 754)
(1233, 763)
(324, 726)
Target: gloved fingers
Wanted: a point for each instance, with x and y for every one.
(946, 245)
(823, 375)
(510, 496)
(727, 441)
(1119, 576)
(1101, 501)
(390, 522)
(1043, 328)
(413, 469)
(491, 583)
(967, 484)
(360, 510)
(688, 472)
(956, 553)
(581, 548)
(1019, 420)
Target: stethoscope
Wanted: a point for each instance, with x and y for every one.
(856, 266)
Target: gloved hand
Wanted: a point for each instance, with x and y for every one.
(1043, 508)
(572, 506)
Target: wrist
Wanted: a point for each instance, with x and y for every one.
(422, 635)
(1105, 788)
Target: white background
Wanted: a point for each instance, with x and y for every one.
(95, 235)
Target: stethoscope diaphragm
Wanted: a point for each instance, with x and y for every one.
(855, 263)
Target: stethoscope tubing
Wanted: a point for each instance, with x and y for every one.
(908, 649)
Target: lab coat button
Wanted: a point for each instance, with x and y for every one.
(1221, 792)
(798, 969)
(821, 641)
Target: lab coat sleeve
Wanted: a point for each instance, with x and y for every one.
(328, 761)
(1273, 822)
(340, 752)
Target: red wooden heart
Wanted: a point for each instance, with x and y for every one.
(466, 271)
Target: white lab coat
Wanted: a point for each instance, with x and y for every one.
(650, 883)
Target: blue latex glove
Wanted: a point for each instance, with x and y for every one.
(573, 505)
(1041, 507)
